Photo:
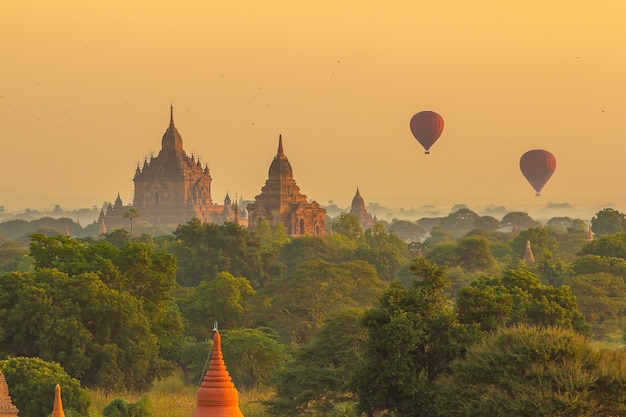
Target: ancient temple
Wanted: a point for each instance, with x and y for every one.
(280, 201)
(217, 395)
(357, 209)
(7, 409)
(170, 189)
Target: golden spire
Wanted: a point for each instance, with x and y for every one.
(57, 410)
(217, 395)
(280, 152)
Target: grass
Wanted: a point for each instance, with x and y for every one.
(171, 398)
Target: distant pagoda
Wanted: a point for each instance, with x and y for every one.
(280, 201)
(358, 210)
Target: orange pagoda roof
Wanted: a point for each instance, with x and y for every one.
(217, 395)
(57, 410)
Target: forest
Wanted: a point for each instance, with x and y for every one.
(437, 317)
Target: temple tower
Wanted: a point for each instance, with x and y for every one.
(280, 201)
(357, 209)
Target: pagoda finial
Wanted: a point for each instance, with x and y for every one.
(171, 114)
(357, 192)
(280, 152)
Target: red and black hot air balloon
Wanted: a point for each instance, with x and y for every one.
(537, 166)
(426, 126)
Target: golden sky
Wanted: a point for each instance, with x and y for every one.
(86, 87)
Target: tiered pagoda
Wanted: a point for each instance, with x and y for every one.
(281, 202)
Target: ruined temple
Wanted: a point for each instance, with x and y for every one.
(171, 189)
(281, 202)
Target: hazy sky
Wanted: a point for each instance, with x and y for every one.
(86, 86)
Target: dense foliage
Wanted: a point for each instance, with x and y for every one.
(32, 383)
(535, 371)
(371, 320)
(103, 313)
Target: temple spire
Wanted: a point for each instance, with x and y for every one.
(280, 152)
(529, 258)
(57, 410)
(171, 115)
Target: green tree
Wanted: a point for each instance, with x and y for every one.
(131, 215)
(474, 254)
(13, 257)
(438, 235)
(412, 336)
(601, 297)
(608, 221)
(407, 231)
(296, 305)
(443, 254)
(385, 251)
(559, 224)
(318, 378)
(32, 383)
(518, 297)
(225, 300)
(122, 408)
(347, 225)
(459, 222)
(488, 223)
(205, 249)
(592, 264)
(309, 248)
(613, 245)
(97, 334)
(528, 371)
(253, 356)
(271, 239)
(518, 219)
(540, 238)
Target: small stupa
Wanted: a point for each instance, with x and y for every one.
(7, 409)
(57, 410)
(217, 395)
(590, 235)
(529, 258)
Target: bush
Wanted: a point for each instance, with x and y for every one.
(121, 408)
(31, 385)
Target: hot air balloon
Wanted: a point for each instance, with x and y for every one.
(426, 126)
(537, 166)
